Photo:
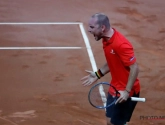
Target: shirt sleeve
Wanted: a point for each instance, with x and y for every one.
(126, 54)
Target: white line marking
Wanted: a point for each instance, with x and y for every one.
(89, 50)
(18, 48)
(39, 23)
(92, 60)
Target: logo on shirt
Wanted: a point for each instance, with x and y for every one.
(112, 51)
(132, 58)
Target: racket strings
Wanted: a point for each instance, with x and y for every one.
(98, 95)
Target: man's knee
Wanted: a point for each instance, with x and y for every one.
(108, 121)
(109, 124)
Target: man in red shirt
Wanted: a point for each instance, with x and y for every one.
(121, 63)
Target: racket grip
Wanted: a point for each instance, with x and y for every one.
(138, 99)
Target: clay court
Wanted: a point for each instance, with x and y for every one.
(41, 86)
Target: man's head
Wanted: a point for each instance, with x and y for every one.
(98, 25)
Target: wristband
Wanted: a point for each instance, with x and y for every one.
(99, 74)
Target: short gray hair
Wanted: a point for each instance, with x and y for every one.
(102, 19)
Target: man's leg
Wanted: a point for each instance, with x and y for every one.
(109, 123)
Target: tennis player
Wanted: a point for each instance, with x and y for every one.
(121, 63)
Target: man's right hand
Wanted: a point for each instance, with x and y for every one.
(89, 79)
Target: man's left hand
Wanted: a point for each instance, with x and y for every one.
(124, 95)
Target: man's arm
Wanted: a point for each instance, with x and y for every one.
(105, 69)
(134, 70)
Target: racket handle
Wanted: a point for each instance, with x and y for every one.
(138, 99)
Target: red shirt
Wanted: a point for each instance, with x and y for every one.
(120, 55)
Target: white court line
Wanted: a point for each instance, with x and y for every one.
(37, 48)
(92, 60)
(40, 23)
(89, 50)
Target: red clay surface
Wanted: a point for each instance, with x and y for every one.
(42, 87)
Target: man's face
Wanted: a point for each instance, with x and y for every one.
(95, 29)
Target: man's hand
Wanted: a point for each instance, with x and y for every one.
(89, 79)
(124, 95)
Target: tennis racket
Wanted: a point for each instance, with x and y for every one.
(98, 93)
